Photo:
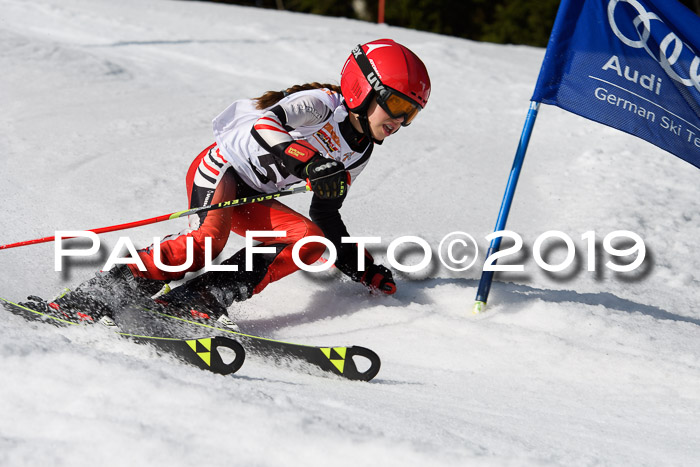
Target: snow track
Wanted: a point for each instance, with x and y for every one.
(105, 105)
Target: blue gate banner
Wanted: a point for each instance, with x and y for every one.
(630, 64)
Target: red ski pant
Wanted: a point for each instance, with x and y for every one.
(217, 224)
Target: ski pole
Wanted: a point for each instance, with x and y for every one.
(130, 225)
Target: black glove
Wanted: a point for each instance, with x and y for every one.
(327, 177)
(377, 277)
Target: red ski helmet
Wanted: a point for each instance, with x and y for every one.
(390, 71)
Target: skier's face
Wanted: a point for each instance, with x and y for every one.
(381, 123)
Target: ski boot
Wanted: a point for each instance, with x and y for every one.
(97, 299)
(82, 310)
(205, 299)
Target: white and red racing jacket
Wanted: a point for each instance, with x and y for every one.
(246, 136)
(251, 141)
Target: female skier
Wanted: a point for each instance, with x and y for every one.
(318, 133)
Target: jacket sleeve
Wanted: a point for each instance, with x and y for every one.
(326, 214)
(271, 130)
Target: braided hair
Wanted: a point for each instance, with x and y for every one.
(270, 98)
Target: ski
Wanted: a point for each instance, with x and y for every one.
(207, 353)
(337, 360)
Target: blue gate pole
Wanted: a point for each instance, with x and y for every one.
(482, 293)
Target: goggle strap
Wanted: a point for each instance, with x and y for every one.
(367, 70)
(372, 78)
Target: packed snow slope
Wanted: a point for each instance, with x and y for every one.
(106, 103)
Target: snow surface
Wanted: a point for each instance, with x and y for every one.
(106, 103)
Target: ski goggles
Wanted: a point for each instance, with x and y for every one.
(394, 103)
